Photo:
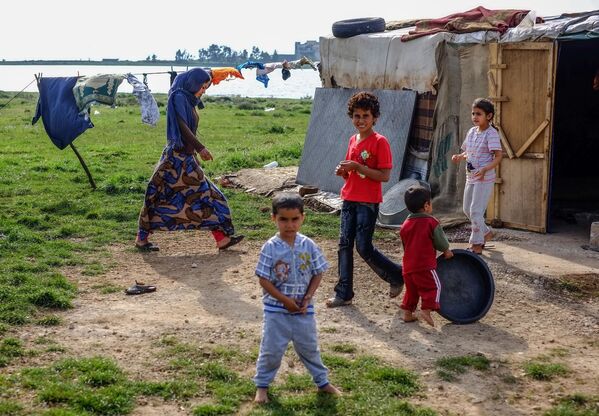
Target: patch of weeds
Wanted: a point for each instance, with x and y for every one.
(544, 371)
(168, 390)
(107, 289)
(344, 348)
(328, 330)
(298, 383)
(94, 269)
(10, 408)
(576, 405)
(450, 367)
(213, 410)
(50, 320)
(10, 348)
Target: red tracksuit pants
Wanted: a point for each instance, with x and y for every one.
(424, 284)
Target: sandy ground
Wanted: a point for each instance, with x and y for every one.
(208, 297)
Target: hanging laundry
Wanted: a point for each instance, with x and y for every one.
(224, 73)
(56, 106)
(269, 67)
(96, 88)
(300, 63)
(263, 78)
(149, 109)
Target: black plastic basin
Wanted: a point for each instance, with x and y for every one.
(467, 287)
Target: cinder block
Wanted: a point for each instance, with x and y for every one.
(594, 241)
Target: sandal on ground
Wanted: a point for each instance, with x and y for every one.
(232, 241)
(395, 290)
(139, 288)
(335, 302)
(147, 247)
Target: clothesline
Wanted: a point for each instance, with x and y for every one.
(17, 94)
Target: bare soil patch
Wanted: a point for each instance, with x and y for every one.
(209, 298)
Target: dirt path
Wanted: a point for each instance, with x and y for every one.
(207, 297)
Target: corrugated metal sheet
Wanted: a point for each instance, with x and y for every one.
(330, 129)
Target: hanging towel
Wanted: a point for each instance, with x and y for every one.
(149, 108)
(96, 88)
(56, 106)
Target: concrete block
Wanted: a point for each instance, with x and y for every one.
(594, 240)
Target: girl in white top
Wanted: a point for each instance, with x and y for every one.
(482, 153)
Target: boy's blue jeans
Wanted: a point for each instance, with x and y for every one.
(358, 220)
(277, 330)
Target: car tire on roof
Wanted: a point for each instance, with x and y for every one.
(352, 27)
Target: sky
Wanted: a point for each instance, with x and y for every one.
(135, 29)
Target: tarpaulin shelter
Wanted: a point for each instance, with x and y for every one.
(540, 77)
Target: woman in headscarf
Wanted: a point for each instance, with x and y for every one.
(179, 195)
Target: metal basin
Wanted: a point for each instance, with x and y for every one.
(467, 287)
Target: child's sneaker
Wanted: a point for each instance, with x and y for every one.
(335, 302)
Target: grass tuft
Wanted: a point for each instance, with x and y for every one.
(544, 371)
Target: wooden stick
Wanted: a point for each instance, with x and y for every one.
(89, 175)
(532, 137)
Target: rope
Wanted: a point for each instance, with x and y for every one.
(16, 95)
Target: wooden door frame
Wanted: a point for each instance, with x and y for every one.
(496, 66)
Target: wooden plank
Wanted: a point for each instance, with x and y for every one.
(498, 66)
(532, 137)
(533, 156)
(505, 142)
(537, 46)
(548, 112)
(493, 205)
(499, 99)
(492, 84)
(521, 192)
(520, 226)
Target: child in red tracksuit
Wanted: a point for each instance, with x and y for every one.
(421, 235)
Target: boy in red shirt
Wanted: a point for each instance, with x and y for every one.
(367, 164)
(421, 235)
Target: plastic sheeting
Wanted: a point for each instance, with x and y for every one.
(462, 78)
(383, 61)
(330, 129)
(553, 29)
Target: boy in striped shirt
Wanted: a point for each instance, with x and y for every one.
(290, 269)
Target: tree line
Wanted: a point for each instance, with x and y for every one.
(222, 54)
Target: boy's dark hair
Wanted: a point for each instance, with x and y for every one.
(287, 200)
(364, 101)
(485, 105)
(415, 198)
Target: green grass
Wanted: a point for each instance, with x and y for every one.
(450, 367)
(576, 405)
(50, 218)
(545, 371)
(217, 377)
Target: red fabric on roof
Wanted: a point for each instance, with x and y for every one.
(473, 20)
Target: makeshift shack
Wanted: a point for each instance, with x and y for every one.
(540, 76)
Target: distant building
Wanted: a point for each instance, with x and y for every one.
(309, 49)
(110, 59)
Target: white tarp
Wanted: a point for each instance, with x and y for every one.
(383, 61)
